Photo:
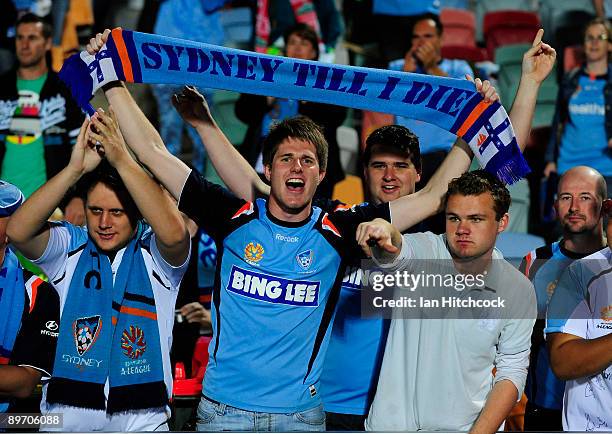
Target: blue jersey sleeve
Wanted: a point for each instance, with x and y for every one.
(567, 299)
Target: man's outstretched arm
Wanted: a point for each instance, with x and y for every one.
(538, 62)
(155, 206)
(235, 171)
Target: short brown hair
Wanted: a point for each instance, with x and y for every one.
(298, 127)
(478, 182)
(30, 18)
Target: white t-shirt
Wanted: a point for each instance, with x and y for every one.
(582, 306)
(436, 372)
(59, 266)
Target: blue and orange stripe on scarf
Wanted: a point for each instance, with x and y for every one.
(451, 104)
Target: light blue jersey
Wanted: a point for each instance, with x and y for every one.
(543, 267)
(274, 297)
(584, 140)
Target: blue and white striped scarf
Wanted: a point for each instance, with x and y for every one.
(451, 104)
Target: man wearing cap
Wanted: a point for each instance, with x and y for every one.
(29, 315)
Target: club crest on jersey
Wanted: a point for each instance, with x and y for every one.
(86, 331)
(305, 258)
(273, 289)
(253, 252)
(133, 342)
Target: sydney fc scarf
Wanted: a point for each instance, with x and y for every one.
(12, 300)
(109, 330)
(451, 104)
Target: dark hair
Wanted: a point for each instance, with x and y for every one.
(395, 138)
(29, 18)
(435, 18)
(108, 175)
(298, 127)
(304, 31)
(478, 182)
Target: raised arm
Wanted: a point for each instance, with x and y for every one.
(234, 170)
(142, 138)
(537, 64)
(27, 229)
(164, 217)
(538, 61)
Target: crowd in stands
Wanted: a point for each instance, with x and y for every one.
(205, 247)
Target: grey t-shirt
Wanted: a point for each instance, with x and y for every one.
(437, 371)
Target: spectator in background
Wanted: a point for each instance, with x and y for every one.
(321, 15)
(579, 339)
(261, 112)
(580, 195)
(391, 167)
(198, 21)
(582, 125)
(394, 20)
(425, 57)
(39, 129)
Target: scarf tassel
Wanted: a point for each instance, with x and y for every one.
(137, 397)
(75, 393)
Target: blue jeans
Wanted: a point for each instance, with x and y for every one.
(214, 417)
(171, 124)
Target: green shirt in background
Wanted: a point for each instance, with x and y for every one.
(24, 161)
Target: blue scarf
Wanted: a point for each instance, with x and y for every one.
(12, 301)
(451, 104)
(109, 331)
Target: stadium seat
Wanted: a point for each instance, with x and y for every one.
(569, 31)
(552, 14)
(516, 245)
(349, 190)
(546, 103)
(509, 58)
(481, 7)
(348, 142)
(223, 112)
(200, 357)
(459, 27)
(573, 56)
(465, 52)
(509, 27)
